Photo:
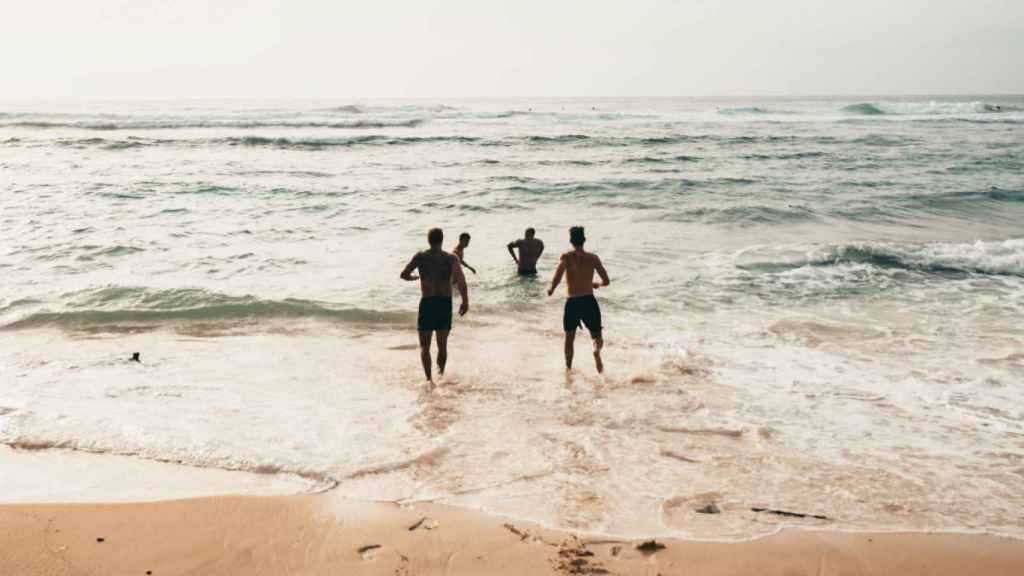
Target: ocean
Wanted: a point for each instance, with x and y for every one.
(817, 304)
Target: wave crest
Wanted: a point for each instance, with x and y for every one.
(116, 307)
(931, 107)
(994, 258)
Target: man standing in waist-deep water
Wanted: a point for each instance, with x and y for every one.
(530, 249)
(438, 270)
(581, 306)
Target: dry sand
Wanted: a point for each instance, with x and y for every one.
(323, 534)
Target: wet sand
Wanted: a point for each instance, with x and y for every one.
(325, 534)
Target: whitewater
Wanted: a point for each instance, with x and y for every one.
(817, 304)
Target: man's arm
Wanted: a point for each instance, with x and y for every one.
(558, 276)
(512, 245)
(540, 249)
(466, 264)
(407, 274)
(599, 267)
(459, 279)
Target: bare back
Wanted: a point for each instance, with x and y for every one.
(437, 270)
(580, 267)
(530, 250)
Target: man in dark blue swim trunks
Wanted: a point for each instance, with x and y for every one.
(581, 308)
(438, 270)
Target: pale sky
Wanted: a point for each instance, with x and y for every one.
(481, 48)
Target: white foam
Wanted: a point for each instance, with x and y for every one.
(28, 476)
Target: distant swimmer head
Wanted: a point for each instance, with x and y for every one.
(136, 357)
(464, 239)
(576, 237)
(435, 237)
(530, 232)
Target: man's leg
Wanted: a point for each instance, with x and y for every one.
(570, 340)
(425, 352)
(442, 351)
(598, 344)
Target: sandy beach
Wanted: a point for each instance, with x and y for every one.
(324, 534)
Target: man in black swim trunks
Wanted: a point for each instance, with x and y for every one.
(438, 270)
(530, 249)
(581, 308)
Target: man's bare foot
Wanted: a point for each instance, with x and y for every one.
(598, 362)
(569, 374)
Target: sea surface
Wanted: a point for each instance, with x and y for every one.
(817, 305)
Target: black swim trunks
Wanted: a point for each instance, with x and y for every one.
(435, 313)
(582, 310)
(523, 272)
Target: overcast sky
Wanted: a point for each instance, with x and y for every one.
(432, 48)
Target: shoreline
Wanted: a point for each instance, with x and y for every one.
(326, 534)
(98, 480)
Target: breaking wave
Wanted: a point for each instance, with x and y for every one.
(998, 258)
(115, 306)
(932, 107)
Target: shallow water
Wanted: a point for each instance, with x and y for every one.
(816, 305)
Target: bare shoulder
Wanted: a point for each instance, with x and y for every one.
(566, 255)
(594, 258)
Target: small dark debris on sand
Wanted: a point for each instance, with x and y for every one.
(650, 547)
(522, 535)
(709, 509)
(100, 539)
(790, 514)
(367, 548)
(418, 524)
(575, 558)
(616, 550)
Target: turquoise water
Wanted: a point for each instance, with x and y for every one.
(839, 280)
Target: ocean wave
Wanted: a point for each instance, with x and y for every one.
(931, 107)
(742, 110)
(785, 156)
(120, 307)
(571, 140)
(193, 124)
(347, 109)
(758, 214)
(321, 143)
(995, 258)
(659, 160)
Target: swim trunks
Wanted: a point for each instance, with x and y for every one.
(582, 310)
(435, 314)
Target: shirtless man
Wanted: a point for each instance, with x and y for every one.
(438, 270)
(581, 307)
(530, 249)
(460, 251)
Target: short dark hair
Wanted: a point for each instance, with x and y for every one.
(530, 232)
(435, 236)
(464, 236)
(576, 237)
